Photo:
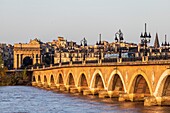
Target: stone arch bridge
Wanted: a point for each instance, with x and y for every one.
(134, 81)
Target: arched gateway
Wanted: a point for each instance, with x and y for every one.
(27, 54)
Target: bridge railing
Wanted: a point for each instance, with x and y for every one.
(56, 64)
(161, 57)
(65, 63)
(109, 60)
(91, 61)
(106, 61)
(133, 59)
(77, 62)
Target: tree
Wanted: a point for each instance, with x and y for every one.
(2, 69)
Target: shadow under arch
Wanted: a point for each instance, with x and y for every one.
(162, 84)
(112, 82)
(97, 80)
(27, 61)
(33, 79)
(70, 79)
(45, 79)
(39, 78)
(60, 79)
(52, 79)
(139, 83)
(82, 81)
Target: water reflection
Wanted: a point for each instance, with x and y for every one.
(32, 100)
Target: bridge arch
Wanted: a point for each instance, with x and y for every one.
(161, 83)
(45, 79)
(39, 78)
(82, 80)
(119, 77)
(97, 78)
(70, 79)
(52, 81)
(34, 78)
(139, 77)
(60, 79)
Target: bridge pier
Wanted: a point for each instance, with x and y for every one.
(68, 87)
(95, 91)
(53, 86)
(103, 94)
(40, 84)
(62, 87)
(161, 101)
(115, 94)
(73, 90)
(87, 92)
(46, 86)
(81, 89)
(34, 84)
(132, 97)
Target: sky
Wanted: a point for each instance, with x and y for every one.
(22, 20)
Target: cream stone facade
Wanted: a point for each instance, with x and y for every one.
(31, 50)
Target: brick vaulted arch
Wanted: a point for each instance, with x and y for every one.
(131, 86)
(83, 80)
(60, 79)
(52, 79)
(93, 80)
(161, 82)
(116, 72)
(70, 79)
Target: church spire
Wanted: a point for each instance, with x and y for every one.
(156, 43)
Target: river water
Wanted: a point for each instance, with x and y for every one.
(22, 99)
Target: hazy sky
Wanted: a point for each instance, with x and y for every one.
(22, 20)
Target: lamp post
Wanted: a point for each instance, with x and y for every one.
(70, 51)
(60, 53)
(145, 38)
(100, 46)
(119, 38)
(166, 46)
(84, 44)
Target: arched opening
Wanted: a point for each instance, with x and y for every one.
(52, 79)
(98, 82)
(141, 86)
(27, 61)
(33, 79)
(83, 81)
(116, 84)
(71, 80)
(45, 78)
(166, 88)
(39, 78)
(60, 79)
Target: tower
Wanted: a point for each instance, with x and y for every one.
(156, 43)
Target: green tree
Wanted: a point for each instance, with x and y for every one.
(2, 69)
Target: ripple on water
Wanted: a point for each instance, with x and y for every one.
(21, 99)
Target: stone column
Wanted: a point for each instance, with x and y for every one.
(19, 65)
(15, 60)
(39, 59)
(34, 59)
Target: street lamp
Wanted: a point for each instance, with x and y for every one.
(145, 38)
(84, 43)
(119, 38)
(166, 46)
(70, 51)
(60, 53)
(100, 46)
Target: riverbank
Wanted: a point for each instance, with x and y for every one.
(15, 79)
